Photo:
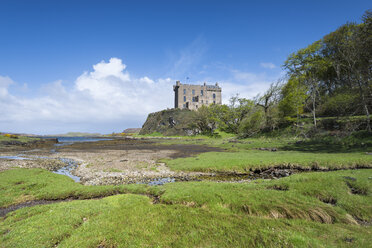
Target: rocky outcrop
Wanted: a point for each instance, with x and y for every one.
(169, 122)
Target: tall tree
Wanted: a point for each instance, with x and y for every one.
(309, 66)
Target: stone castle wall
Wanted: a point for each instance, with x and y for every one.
(187, 96)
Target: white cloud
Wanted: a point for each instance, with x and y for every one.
(268, 65)
(105, 95)
(5, 82)
(105, 99)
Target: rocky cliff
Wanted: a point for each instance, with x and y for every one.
(169, 122)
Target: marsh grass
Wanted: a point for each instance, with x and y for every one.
(19, 138)
(132, 221)
(243, 161)
(198, 214)
(319, 196)
(20, 185)
(249, 154)
(312, 209)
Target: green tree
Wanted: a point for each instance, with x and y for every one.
(203, 121)
(253, 123)
(231, 116)
(349, 49)
(268, 101)
(311, 67)
(293, 96)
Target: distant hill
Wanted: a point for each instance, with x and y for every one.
(77, 134)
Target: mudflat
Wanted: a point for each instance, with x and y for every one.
(115, 161)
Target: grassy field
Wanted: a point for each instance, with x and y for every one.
(19, 138)
(256, 153)
(20, 185)
(310, 209)
(318, 209)
(243, 161)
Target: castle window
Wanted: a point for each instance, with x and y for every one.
(214, 102)
(201, 92)
(184, 91)
(207, 101)
(214, 96)
(201, 101)
(196, 106)
(193, 92)
(195, 99)
(184, 98)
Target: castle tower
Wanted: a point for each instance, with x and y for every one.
(188, 96)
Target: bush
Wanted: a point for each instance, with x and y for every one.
(339, 105)
(252, 124)
(13, 136)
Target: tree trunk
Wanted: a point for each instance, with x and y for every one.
(314, 115)
(365, 105)
(368, 118)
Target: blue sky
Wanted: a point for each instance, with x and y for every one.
(48, 49)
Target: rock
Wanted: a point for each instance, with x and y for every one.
(268, 149)
(12, 143)
(349, 240)
(169, 122)
(350, 178)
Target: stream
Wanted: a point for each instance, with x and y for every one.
(70, 165)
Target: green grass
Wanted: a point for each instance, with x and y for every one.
(244, 154)
(20, 138)
(301, 196)
(132, 221)
(199, 214)
(217, 135)
(20, 185)
(243, 161)
(314, 209)
(357, 142)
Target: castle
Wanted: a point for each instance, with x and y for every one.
(188, 96)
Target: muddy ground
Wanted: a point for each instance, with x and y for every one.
(114, 161)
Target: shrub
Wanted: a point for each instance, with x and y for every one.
(13, 136)
(252, 124)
